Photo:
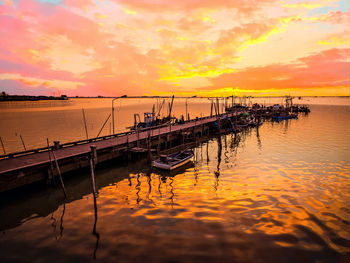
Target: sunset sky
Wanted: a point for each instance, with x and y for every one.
(158, 47)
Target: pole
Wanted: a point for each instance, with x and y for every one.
(217, 106)
(158, 149)
(186, 108)
(103, 125)
(113, 112)
(51, 166)
(59, 173)
(86, 132)
(92, 169)
(23, 142)
(2, 144)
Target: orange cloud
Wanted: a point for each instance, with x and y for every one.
(328, 69)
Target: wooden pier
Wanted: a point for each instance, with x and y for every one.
(22, 168)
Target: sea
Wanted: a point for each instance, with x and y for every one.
(276, 193)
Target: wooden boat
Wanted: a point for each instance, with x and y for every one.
(173, 161)
(286, 117)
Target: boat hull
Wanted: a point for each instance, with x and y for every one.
(172, 164)
(164, 166)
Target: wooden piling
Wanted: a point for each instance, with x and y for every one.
(56, 145)
(93, 158)
(149, 146)
(51, 165)
(86, 131)
(59, 173)
(93, 161)
(159, 141)
(138, 137)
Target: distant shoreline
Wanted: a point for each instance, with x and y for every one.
(30, 98)
(64, 97)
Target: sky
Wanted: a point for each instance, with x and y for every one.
(185, 48)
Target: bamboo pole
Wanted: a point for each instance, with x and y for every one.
(24, 146)
(86, 131)
(103, 125)
(59, 173)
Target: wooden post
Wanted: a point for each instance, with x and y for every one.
(93, 158)
(183, 137)
(51, 165)
(158, 149)
(202, 131)
(217, 106)
(86, 131)
(127, 140)
(57, 145)
(138, 137)
(2, 144)
(93, 161)
(149, 145)
(24, 146)
(59, 173)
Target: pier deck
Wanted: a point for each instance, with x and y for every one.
(13, 169)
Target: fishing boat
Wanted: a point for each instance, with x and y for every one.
(173, 161)
(285, 117)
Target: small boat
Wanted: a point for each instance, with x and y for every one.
(173, 161)
(286, 117)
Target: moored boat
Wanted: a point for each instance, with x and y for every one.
(285, 117)
(173, 161)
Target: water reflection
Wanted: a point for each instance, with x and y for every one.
(171, 191)
(61, 220)
(217, 172)
(258, 137)
(138, 189)
(231, 204)
(94, 232)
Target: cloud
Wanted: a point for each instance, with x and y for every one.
(136, 47)
(327, 69)
(37, 82)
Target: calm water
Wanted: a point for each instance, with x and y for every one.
(280, 193)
